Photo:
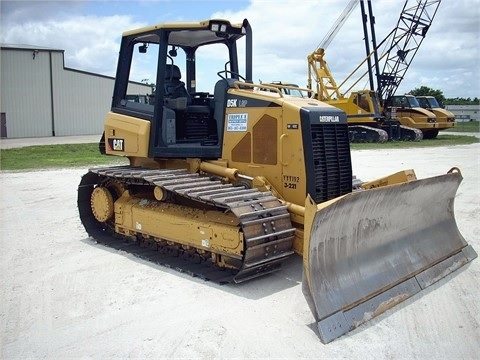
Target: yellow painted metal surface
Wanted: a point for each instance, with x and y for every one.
(272, 145)
(126, 135)
(442, 118)
(397, 178)
(208, 230)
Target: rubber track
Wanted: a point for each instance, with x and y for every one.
(374, 134)
(407, 131)
(264, 251)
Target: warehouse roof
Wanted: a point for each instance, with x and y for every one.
(28, 47)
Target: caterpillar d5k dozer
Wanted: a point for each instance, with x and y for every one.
(227, 185)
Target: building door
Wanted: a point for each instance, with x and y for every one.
(3, 125)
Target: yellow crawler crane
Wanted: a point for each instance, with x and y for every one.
(229, 185)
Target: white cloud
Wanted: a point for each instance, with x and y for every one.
(285, 32)
(90, 42)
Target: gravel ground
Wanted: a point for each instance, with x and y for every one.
(64, 296)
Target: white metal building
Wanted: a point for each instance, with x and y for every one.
(39, 96)
(465, 112)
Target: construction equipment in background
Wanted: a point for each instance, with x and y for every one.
(368, 111)
(445, 118)
(408, 110)
(363, 109)
(404, 42)
(229, 184)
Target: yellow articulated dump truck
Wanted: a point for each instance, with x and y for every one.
(445, 118)
(409, 112)
(229, 184)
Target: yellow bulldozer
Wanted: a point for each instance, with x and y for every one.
(228, 184)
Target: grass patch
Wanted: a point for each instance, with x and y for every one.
(441, 140)
(54, 156)
(466, 126)
(75, 155)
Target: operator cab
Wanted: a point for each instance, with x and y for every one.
(403, 101)
(428, 102)
(184, 102)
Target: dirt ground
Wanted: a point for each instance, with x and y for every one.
(64, 296)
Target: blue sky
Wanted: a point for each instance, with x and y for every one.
(154, 12)
(285, 32)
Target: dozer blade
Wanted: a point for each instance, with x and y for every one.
(367, 251)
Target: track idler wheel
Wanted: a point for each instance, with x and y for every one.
(101, 202)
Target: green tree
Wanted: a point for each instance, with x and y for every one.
(427, 91)
(462, 101)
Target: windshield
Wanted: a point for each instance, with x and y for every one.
(412, 101)
(293, 92)
(433, 102)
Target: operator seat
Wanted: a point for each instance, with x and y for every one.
(174, 87)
